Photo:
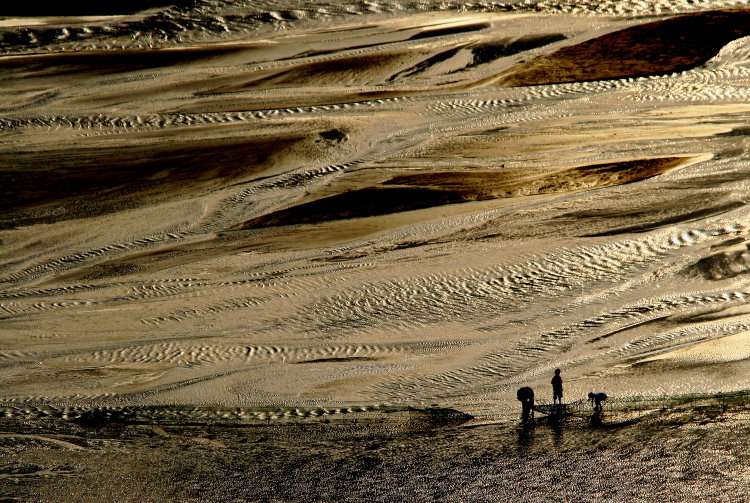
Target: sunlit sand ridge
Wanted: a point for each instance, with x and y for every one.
(252, 205)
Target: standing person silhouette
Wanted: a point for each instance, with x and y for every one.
(557, 388)
(526, 396)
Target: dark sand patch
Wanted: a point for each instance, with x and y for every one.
(53, 185)
(362, 70)
(336, 360)
(425, 65)
(598, 217)
(450, 30)
(430, 189)
(685, 217)
(87, 7)
(146, 264)
(661, 47)
(514, 182)
(323, 52)
(719, 314)
(356, 204)
(487, 52)
(102, 62)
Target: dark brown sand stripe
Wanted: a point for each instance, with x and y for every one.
(661, 47)
(431, 189)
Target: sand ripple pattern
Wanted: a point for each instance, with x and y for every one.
(104, 123)
(77, 259)
(211, 18)
(283, 209)
(479, 295)
(510, 363)
(188, 355)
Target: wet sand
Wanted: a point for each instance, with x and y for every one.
(672, 454)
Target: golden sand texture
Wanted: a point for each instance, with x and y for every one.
(240, 204)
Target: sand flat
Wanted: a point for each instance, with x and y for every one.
(406, 204)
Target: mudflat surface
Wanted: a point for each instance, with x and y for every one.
(670, 455)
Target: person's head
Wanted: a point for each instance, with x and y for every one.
(592, 396)
(557, 372)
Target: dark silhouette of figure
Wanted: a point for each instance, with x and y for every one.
(557, 388)
(557, 422)
(526, 396)
(596, 400)
(526, 433)
(595, 421)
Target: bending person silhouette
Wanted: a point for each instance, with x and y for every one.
(557, 388)
(526, 396)
(596, 400)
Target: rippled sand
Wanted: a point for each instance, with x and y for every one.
(305, 204)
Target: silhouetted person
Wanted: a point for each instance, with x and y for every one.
(596, 400)
(526, 396)
(557, 391)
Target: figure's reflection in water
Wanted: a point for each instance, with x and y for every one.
(557, 421)
(526, 432)
(596, 418)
